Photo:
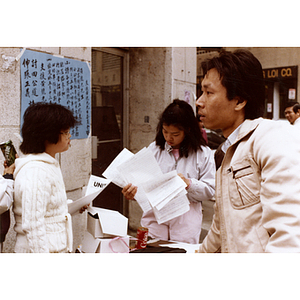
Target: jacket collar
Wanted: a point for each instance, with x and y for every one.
(168, 147)
(247, 127)
(42, 157)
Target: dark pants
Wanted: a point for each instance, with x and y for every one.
(4, 225)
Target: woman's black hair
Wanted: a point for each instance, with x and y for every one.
(180, 114)
(44, 122)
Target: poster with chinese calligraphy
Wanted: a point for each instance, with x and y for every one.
(65, 81)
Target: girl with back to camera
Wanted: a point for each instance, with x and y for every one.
(179, 145)
(40, 207)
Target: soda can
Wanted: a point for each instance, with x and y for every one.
(9, 152)
(142, 237)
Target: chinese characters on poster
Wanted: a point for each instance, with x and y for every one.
(48, 78)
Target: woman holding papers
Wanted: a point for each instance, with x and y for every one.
(180, 146)
(40, 207)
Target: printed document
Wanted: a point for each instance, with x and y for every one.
(140, 168)
(164, 193)
(163, 188)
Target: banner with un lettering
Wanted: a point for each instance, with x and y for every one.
(55, 79)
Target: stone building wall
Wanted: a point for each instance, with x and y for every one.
(157, 76)
(76, 162)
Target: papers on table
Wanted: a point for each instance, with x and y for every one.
(164, 193)
(95, 186)
(190, 248)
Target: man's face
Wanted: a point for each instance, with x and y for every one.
(290, 115)
(217, 112)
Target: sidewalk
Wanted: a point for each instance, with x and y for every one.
(208, 212)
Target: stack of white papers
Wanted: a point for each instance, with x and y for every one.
(164, 193)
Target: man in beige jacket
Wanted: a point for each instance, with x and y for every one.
(257, 205)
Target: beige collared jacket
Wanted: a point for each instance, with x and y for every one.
(257, 205)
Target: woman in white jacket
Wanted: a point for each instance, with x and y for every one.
(179, 145)
(6, 200)
(40, 207)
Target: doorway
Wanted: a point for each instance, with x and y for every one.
(109, 118)
(281, 88)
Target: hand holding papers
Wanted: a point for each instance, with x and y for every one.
(95, 186)
(164, 193)
(140, 168)
(163, 188)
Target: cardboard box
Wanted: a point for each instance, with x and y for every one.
(109, 245)
(103, 223)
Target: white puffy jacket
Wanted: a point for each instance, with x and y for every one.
(40, 206)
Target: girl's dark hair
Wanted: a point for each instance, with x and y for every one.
(242, 76)
(44, 122)
(180, 114)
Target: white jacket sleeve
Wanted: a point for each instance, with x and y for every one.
(203, 188)
(277, 155)
(6, 194)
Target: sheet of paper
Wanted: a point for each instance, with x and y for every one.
(138, 169)
(112, 172)
(142, 166)
(163, 188)
(74, 206)
(173, 195)
(176, 207)
(96, 183)
(190, 248)
(140, 195)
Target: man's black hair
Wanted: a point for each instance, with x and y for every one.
(242, 76)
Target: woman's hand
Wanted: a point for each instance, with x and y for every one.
(9, 169)
(83, 208)
(186, 180)
(129, 191)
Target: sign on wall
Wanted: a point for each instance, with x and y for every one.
(281, 73)
(55, 79)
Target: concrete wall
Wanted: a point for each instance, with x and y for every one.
(184, 74)
(157, 76)
(149, 93)
(75, 163)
